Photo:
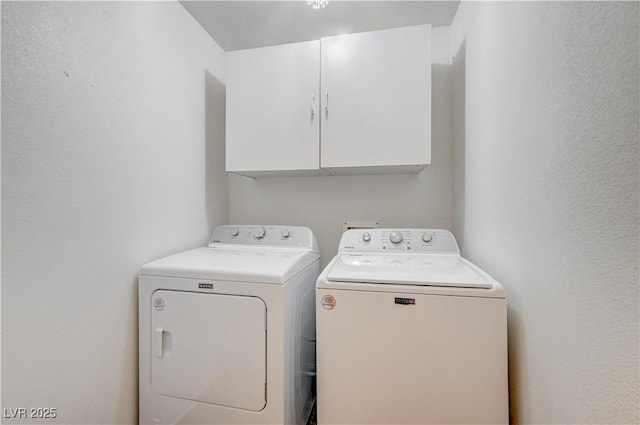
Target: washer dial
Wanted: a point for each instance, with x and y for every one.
(395, 237)
(259, 233)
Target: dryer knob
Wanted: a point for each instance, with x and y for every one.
(285, 234)
(427, 237)
(235, 232)
(259, 233)
(395, 237)
(366, 236)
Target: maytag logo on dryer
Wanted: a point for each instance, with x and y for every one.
(205, 285)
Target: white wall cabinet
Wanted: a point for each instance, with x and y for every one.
(272, 116)
(350, 104)
(376, 89)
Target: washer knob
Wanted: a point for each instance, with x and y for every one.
(259, 233)
(285, 233)
(235, 232)
(395, 237)
(427, 237)
(366, 236)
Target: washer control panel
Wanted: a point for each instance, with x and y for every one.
(242, 234)
(399, 240)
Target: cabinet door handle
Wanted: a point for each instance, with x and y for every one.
(313, 101)
(326, 104)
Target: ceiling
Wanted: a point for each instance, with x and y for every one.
(245, 24)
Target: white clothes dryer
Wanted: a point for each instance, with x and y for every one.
(409, 332)
(227, 332)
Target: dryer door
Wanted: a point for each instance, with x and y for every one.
(209, 348)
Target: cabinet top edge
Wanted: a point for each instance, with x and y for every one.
(318, 40)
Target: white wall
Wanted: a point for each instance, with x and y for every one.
(108, 162)
(547, 196)
(324, 203)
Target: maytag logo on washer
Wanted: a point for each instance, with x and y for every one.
(328, 302)
(158, 304)
(406, 301)
(205, 285)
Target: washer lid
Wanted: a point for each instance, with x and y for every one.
(237, 264)
(422, 270)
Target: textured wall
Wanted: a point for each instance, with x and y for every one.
(108, 162)
(324, 203)
(546, 169)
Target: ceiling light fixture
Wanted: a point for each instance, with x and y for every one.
(317, 4)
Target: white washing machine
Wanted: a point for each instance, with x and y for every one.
(409, 333)
(227, 332)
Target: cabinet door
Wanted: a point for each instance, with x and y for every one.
(272, 111)
(376, 95)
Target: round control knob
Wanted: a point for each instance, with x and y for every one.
(395, 237)
(259, 233)
(366, 236)
(285, 233)
(427, 237)
(235, 232)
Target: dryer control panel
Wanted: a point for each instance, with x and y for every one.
(284, 236)
(399, 240)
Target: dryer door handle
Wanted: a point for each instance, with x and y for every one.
(156, 342)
